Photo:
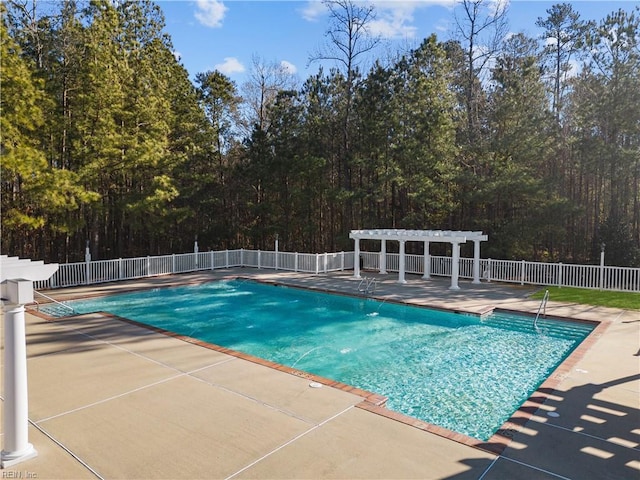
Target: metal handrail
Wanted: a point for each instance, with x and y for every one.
(543, 307)
(64, 305)
(370, 285)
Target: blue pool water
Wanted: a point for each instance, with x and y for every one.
(453, 370)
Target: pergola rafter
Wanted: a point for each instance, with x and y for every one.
(455, 237)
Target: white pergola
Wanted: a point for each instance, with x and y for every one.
(16, 281)
(426, 236)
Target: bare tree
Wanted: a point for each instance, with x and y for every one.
(26, 15)
(349, 41)
(266, 80)
(349, 38)
(481, 26)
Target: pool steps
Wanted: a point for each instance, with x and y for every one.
(550, 327)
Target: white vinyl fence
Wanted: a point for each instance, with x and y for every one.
(625, 279)
(520, 272)
(102, 271)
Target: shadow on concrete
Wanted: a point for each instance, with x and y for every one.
(594, 436)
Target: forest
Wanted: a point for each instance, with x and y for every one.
(107, 142)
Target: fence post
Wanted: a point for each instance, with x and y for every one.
(326, 259)
(317, 263)
(87, 260)
(258, 259)
(226, 258)
(242, 257)
(522, 274)
(120, 268)
(602, 267)
(342, 261)
(173, 263)
(295, 262)
(488, 270)
(148, 266)
(560, 279)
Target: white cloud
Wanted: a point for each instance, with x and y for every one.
(498, 6)
(394, 20)
(289, 67)
(230, 66)
(313, 10)
(443, 25)
(574, 69)
(394, 17)
(210, 13)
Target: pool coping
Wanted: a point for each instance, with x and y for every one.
(376, 403)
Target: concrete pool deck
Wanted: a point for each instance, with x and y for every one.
(111, 399)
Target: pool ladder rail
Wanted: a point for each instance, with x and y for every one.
(541, 308)
(367, 286)
(57, 308)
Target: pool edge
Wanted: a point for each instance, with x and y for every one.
(376, 403)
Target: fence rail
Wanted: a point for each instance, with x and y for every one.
(510, 271)
(102, 271)
(625, 279)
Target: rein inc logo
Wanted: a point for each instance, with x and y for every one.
(18, 474)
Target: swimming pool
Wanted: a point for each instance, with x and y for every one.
(461, 372)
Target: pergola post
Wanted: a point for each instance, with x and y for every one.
(401, 261)
(356, 259)
(383, 257)
(427, 261)
(16, 446)
(16, 280)
(455, 265)
(476, 261)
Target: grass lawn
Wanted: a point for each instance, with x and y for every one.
(603, 298)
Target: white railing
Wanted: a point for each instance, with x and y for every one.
(510, 271)
(625, 279)
(102, 271)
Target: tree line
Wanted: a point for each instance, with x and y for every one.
(106, 141)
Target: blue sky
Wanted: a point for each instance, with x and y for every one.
(226, 35)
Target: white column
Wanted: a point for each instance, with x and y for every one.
(455, 265)
(401, 259)
(427, 261)
(356, 259)
(383, 257)
(16, 405)
(476, 261)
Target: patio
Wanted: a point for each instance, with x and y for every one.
(111, 399)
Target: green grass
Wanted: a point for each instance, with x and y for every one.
(602, 298)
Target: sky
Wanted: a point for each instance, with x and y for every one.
(229, 35)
